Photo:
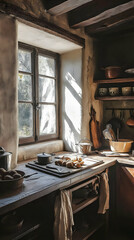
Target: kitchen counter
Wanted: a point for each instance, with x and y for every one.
(42, 184)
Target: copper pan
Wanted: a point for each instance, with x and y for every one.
(112, 71)
(130, 121)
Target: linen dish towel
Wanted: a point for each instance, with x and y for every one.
(63, 217)
(104, 194)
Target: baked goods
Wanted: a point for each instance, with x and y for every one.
(9, 175)
(75, 162)
(70, 164)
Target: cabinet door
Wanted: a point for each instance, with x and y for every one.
(125, 195)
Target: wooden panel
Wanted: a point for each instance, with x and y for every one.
(85, 232)
(131, 172)
(108, 98)
(110, 27)
(57, 7)
(41, 24)
(110, 21)
(116, 80)
(125, 196)
(80, 206)
(83, 15)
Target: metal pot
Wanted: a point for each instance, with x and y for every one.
(44, 158)
(112, 71)
(5, 159)
(85, 146)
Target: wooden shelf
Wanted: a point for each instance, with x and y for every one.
(79, 206)
(85, 232)
(26, 229)
(115, 80)
(117, 98)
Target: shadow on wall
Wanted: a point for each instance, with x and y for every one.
(72, 99)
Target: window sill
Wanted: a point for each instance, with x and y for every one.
(30, 151)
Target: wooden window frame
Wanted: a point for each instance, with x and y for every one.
(35, 51)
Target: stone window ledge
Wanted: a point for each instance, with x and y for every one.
(30, 151)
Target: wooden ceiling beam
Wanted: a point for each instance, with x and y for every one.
(111, 21)
(98, 11)
(116, 26)
(58, 7)
(40, 23)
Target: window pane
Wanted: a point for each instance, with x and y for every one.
(24, 87)
(25, 120)
(47, 119)
(46, 66)
(24, 58)
(46, 89)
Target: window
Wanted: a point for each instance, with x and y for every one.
(37, 94)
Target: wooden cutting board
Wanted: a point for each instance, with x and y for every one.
(61, 171)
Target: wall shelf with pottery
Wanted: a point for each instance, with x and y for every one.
(115, 91)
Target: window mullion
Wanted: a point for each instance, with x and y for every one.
(36, 97)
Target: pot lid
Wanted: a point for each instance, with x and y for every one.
(43, 155)
(3, 153)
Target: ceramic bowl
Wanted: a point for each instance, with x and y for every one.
(103, 91)
(126, 91)
(122, 145)
(114, 91)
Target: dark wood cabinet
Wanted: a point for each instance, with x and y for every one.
(125, 198)
(38, 220)
(85, 203)
(38, 214)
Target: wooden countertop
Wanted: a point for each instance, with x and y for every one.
(42, 184)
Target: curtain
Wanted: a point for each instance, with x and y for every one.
(8, 86)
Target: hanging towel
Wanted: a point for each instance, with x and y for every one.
(104, 193)
(63, 217)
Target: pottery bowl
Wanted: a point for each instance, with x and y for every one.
(114, 91)
(122, 145)
(103, 91)
(126, 91)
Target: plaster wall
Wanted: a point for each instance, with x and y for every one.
(71, 98)
(8, 85)
(81, 65)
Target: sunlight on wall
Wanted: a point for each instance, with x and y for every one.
(73, 83)
(73, 110)
(72, 98)
(72, 118)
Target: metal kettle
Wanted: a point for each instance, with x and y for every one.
(85, 146)
(5, 159)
